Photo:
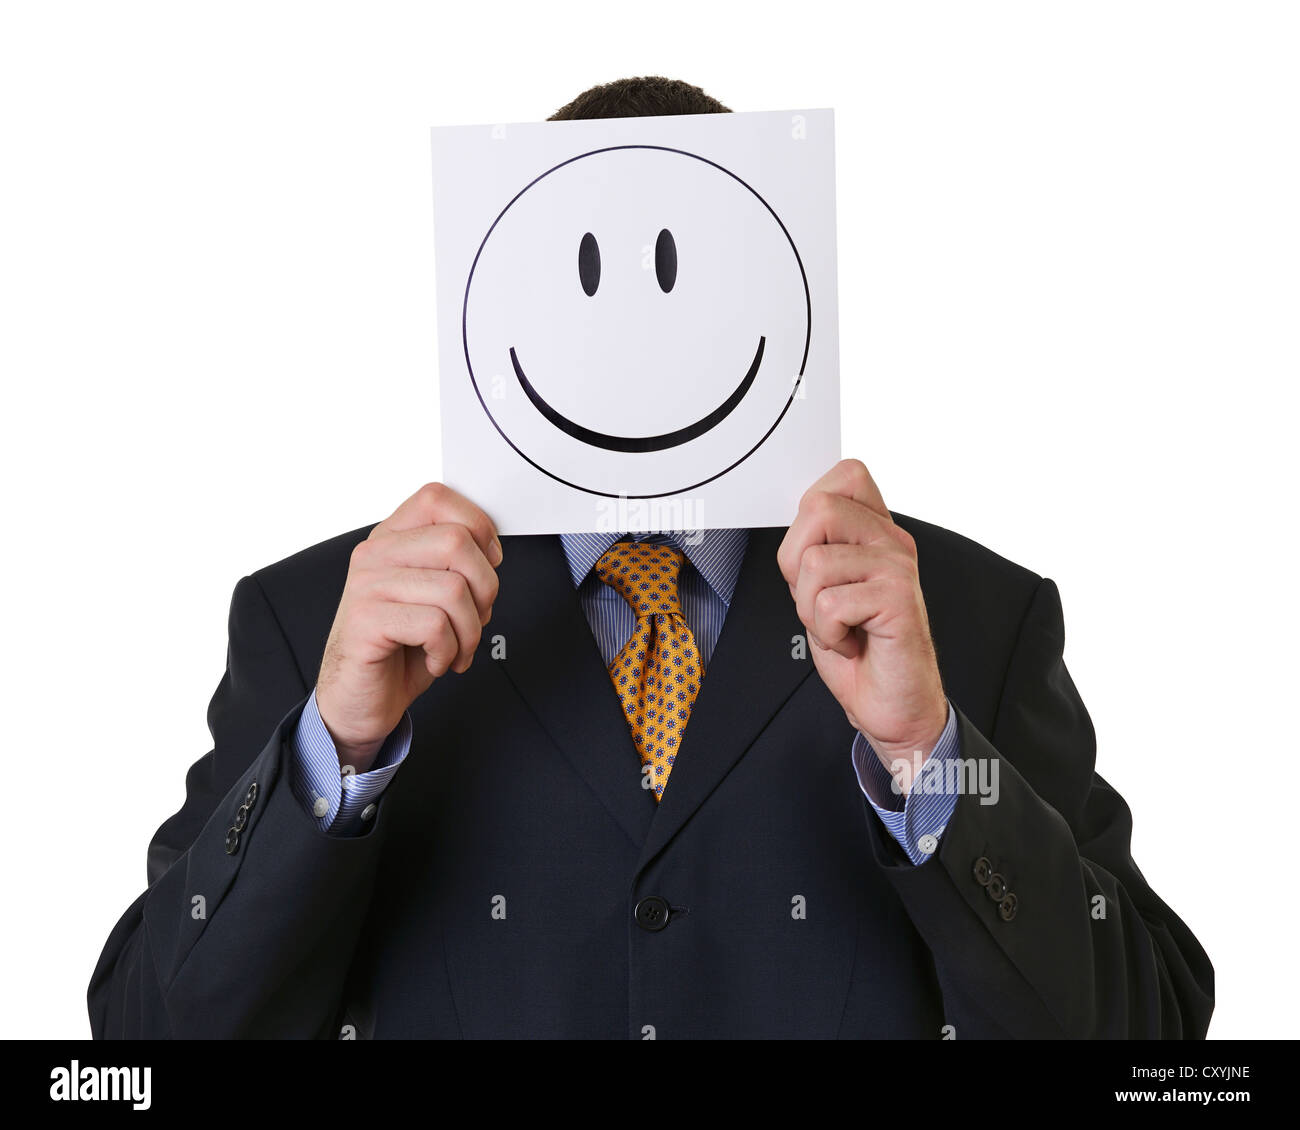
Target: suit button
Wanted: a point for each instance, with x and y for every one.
(983, 869)
(1007, 907)
(651, 914)
(997, 887)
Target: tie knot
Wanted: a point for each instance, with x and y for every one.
(644, 574)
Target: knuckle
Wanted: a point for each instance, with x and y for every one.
(905, 540)
(442, 635)
(904, 566)
(817, 504)
(433, 494)
(856, 470)
(452, 588)
(816, 560)
(458, 537)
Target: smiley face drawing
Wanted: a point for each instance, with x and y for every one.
(636, 322)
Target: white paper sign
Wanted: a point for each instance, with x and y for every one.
(637, 319)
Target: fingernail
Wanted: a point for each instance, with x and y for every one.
(496, 556)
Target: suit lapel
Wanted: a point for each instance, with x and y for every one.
(553, 662)
(751, 675)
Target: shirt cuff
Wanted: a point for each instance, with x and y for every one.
(341, 803)
(918, 820)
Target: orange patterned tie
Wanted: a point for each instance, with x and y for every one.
(657, 674)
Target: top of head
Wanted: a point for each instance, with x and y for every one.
(649, 96)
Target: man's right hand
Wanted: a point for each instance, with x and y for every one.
(419, 590)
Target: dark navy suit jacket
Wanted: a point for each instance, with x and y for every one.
(517, 795)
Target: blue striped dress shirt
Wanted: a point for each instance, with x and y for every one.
(342, 804)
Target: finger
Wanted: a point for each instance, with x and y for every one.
(829, 566)
(825, 517)
(867, 605)
(423, 626)
(851, 479)
(449, 547)
(435, 503)
(421, 586)
(408, 625)
(441, 649)
(414, 624)
(453, 596)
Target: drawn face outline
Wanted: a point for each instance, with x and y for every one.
(667, 440)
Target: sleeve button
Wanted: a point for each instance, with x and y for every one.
(982, 870)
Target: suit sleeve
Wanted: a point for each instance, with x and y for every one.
(252, 912)
(1040, 923)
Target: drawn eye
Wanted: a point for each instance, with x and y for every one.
(589, 264)
(666, 260)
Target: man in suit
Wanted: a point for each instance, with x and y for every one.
(826, 781)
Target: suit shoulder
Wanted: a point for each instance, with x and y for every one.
(304, 588)
(966, 582)
(324, 558)
(963, 551)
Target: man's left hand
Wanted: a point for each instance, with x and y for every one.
(853, 576)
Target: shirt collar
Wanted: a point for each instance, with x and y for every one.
(716, 554)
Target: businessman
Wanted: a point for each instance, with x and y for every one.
(826, 781)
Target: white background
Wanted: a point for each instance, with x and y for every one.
(1069, 293)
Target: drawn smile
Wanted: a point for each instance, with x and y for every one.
(641, 443)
